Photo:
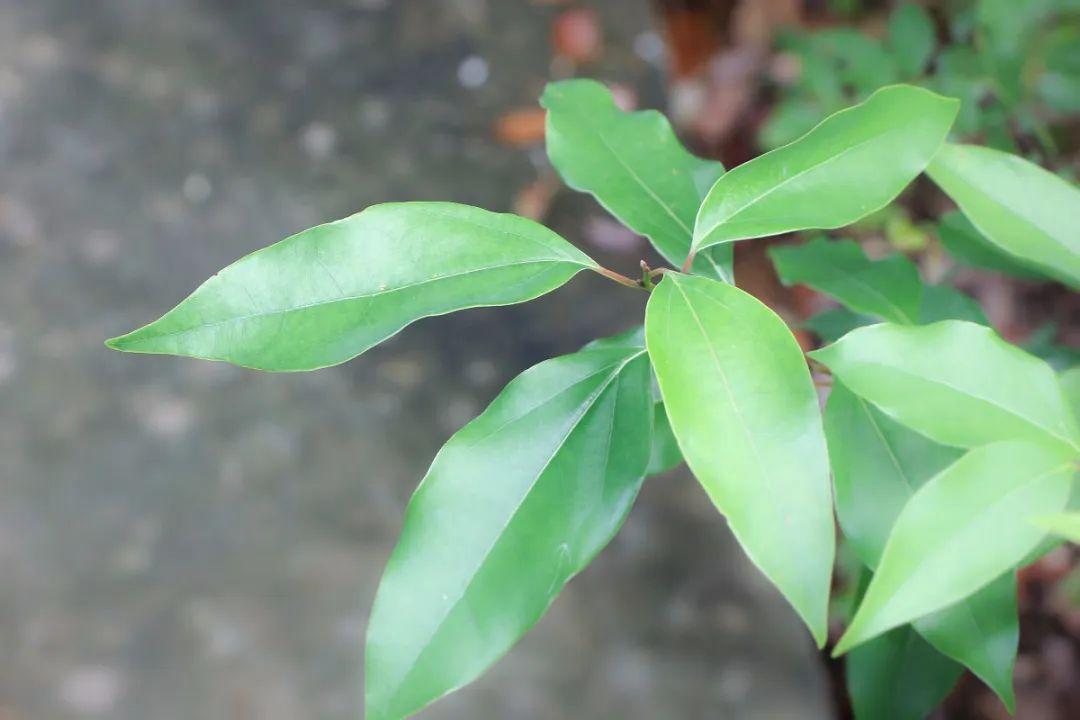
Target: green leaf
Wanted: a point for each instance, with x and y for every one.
(853, 163)
(943, 302)
(1070, 385)
(744, 410)
(1019, 207)
(634, 165)
(877, 466)
(960, 531)
(328, 294)
(889, 288)
(911, 36)
(964, 243)
(982, 631)
(665, 453)
(515, 504)
(1067, 525)
(898, 676)
(831, 325)
(955, 382)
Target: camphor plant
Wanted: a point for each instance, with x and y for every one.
(952, 453)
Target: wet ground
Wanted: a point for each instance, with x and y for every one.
(186, 540)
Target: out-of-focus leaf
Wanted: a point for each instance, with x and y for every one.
(760, 456)
(831, 325)
(889, 288)
(898, 676)
(1042, 343)
(515, 504)
(964, 243)
(853, 163)
(943, 302)
(1016, 205)
(1066, 525)
(633, 164)
(911, 36)
(328, 294)
(945, 381)
(962, 530)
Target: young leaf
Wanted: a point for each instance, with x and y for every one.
(1070, 385)
(877, 466)
(328, 294)
(1067, 525)
(962, 530)
(888, 288)
(898, 676)
(1019, 207)
(744, 410)
(955, 382)
(911, 36)
(634, 165)
(967, 246)
(515, 504)
(855, 162)
(982, 632)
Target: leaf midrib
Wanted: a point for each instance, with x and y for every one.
(586, 406)
(345, 299)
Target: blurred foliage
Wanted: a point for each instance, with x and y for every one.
(1015, 65)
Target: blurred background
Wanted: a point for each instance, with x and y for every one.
(181, 539)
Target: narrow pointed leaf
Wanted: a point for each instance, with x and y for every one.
(982, 632)
(960, 531)
(878, 465)
(1066, 525)
(1021, 208)
(898, 676)
(889, 288)
(634, 165)
(955, 382)
(853, 163)
(743, 408)
(328, 294)
(515, 504)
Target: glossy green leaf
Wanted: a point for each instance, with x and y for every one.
(982, 631)
(1019, 207)
(515, 504)
(1066, 525)
(634, 165)
(967, 246)
(955, 382)
(960, 531)
(329, 293)
(853, 163)
(911, 36)
(745, 413)
(889, 288)
(878, 465)
(898, 676)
